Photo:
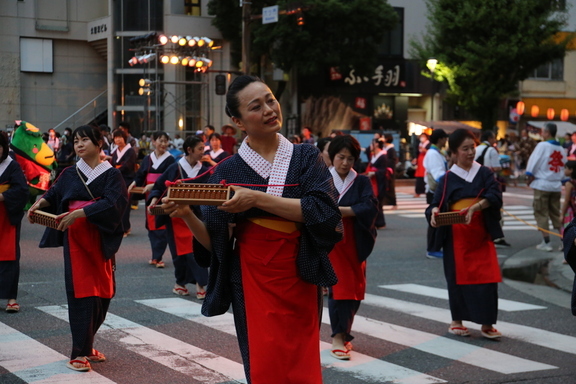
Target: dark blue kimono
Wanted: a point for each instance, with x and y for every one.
(381, 176)
(127, 167)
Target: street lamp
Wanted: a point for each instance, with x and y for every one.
(431, 64)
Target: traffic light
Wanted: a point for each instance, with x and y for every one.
(220, 84)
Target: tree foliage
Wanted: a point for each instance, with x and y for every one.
(484, 48)
(335, 32)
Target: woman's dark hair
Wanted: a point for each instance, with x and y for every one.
(216, 135)
(232, 102)
(158, 134)
(93, 133)
(389, 138)
(4, 141)
(191, 142)
(379, 143)
(571, 165)
(321, 143)
(120, 133)
(344, 142)
(457, 137)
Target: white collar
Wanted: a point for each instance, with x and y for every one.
(120, 153)
(342, 186)
(90, 173)
(216, 154)
(4, 165)
(466, 175)
(377, 156)
(191, 171)
(277, 171)
(157, 161)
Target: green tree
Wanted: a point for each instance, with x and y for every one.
(334, 33)
(484, 48)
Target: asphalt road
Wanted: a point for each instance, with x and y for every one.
(153, 336)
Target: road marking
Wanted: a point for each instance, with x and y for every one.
(547, 339)
(34, 362)
(440, 293)
(187, 359)
(361, 366)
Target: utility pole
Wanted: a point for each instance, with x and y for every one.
(246, 9)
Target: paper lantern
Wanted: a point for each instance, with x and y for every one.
(534, 111)
(520, 107)
(550, 113)
(564, 114)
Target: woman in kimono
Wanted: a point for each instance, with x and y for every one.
(216, 154)
(89, 199)
(191, 169)
(377, 171)
(359, 209)
(268, 246)
(152, 167)
(420, 173)
(13, 199)
(124, 159)
(470, 261)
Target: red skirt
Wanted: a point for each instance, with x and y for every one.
(182, 236)
(7, 235)
(350, 272)
(151, 219)
(475, 255)
(282, 313)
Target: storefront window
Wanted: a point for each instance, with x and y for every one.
(192, 7)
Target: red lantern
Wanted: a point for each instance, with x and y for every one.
(564, 114)
(550, 113)
(535, 111)
(520, 107)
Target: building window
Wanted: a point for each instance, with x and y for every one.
(192, 7)
(393, 41)
(553, 70)
(36, 55)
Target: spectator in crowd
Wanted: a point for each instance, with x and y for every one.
(53, 141)
(571, 149)
(228, 140)
(178, 142)
(306, 135)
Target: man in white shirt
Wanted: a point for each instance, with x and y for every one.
(486, 154)
(544, 172)
(436, 166)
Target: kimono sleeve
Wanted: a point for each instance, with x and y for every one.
(16, 196)
(106, 213)
(366, 211)
(140, 177)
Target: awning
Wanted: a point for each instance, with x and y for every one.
(447, 126)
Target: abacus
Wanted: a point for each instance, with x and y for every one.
(139, 190)
(157, 211)
(449, 218)
(44, 218)
(199, 194)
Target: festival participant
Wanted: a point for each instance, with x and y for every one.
(378, 174)
(89, 199)
(268, 245)
(13, 199)
(124, 159)
(190, 169)
(216, 154)
(151, 168)
(423, 146)
(470, 261)
(359, 208)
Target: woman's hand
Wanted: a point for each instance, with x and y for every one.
(469, 212)
(148, 188)
(176, 210)
(433, 217)
(37, 205)
(66, 219)
(152, 204)
(243, 200)
(132, 185)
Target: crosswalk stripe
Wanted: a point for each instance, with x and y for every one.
(439, 293)
(547, 339)
(187, 359)
(444, 347)
(33, 362)
(361, 366)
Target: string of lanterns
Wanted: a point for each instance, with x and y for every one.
(535, 111)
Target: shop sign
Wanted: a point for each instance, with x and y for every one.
(360, 103)
(382, 77)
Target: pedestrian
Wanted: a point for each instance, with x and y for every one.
(306, 136)
(377, 171)
(89, 199)
(53, 141)
(544, 173)
(569, 203)
(216, 154)
(391, 160)
(424, 144)
(436, 166)
(66, 154)
(13, 198)
(124, 159)
(190, 169)
(359, 209)
(470, 261)
(283, 225)
(571, 147)
(152, 167)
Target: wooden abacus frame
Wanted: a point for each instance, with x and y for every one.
(157, 211)
(199, 194)
(44, 218)
(449, 218)
(139, 190)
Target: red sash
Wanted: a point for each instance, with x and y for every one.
(182, 236)
(151, 219)
(92, 274)
(350, 272)
(7, 235)
(281, 308)
(474, 253)
(373, 180)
